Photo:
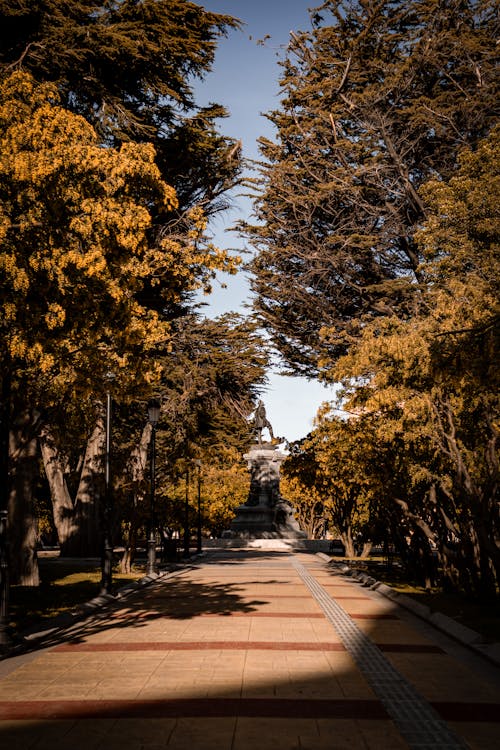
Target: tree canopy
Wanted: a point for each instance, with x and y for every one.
(128, 67)
(91, 279)
(431, 382)
(78, 246)
(109, 173)
(376, 99)
(377, 264)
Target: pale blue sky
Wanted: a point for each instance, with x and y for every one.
(245, 81)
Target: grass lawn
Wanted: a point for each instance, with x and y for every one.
(64, 585)
(483, 618)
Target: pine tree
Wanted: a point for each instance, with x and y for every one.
(128, 67)
(377, 98)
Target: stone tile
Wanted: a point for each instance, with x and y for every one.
(390, 631)
(439, 677)
(209, 734)
(478, 735)
(381, 735)
(28, 735)
(270, 589)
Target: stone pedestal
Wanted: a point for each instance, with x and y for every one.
(253, 522)
(264, 515)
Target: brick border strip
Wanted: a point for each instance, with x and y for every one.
(273, 708)
(128, 646)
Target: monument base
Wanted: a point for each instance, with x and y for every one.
(265, 515)
(258, 522)
(252, 521)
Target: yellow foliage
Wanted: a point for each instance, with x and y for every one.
(402, 371)
(78, 244)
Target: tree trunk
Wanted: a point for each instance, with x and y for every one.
(367, 548)
(22, 521)
(62, 504)
(130, 548)
(85, 539)
(139, 455)
(348, 542)
(136, 467)
(485, 572)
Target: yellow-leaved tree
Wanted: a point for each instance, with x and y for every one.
(329, 479)
(79, 265)
(430, 382)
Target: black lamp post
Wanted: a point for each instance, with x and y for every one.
(5, 640)
(186, 516)
(153, 417)
(197, 462)
(107, 546)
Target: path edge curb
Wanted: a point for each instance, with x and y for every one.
(464, 635)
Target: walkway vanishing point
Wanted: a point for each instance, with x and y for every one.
(250, 650)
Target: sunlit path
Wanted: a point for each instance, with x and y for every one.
(241, 651)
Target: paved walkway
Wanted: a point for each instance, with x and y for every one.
(250, 650)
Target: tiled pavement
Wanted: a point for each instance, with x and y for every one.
(249, 650)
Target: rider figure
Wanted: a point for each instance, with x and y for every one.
(260, 421)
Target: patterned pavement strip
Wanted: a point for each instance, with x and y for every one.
(226, 668)
(418, 723)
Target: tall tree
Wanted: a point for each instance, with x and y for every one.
(433, 379)
(377, 98)
(78, 250)
(335, 477)
(128, 66)
(211, 377)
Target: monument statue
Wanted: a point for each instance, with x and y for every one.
(260, 421)
(265, 514)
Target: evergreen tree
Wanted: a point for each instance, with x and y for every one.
(376, 99)
(432, 381)
(128, 67)
(210, 382)
(78, 251)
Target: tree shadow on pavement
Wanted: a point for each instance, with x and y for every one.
(289, 697)
(160, 599)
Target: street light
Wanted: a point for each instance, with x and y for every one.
(186, 515)
(5, 640)
(197, 463)
(153, 417)
(107, 546)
